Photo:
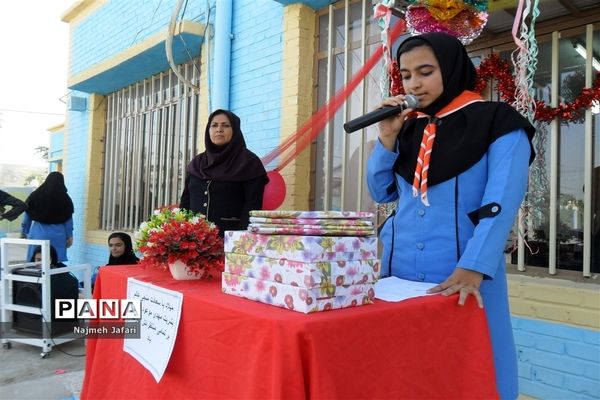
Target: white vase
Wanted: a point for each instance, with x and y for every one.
(180, 271)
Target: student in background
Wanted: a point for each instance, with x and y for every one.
(37, 257)
(49, 215)
(121, 249)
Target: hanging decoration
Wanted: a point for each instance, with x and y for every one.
(524, 57)
(390, 75)
(493, 67)
(275, 190)
(382, 13)
(463, 19)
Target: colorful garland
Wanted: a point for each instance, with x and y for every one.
(493, 67)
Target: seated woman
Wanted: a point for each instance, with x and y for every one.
(121, 252)
(121, 249)
(61, 281)
(37, 257)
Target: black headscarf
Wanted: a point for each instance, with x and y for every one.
(464, 136)
(128, 257)
(232, 162)
(50, 203)
(54, 263)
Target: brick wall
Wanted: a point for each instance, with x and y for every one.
(75, 171)
(256, 52)
(556, 326)
(297, 97)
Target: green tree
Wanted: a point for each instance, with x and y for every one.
(42, 151)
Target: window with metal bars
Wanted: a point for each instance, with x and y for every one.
(151, 135)
(347, 37)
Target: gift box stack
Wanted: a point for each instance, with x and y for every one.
(305, 261)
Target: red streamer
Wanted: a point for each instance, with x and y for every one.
(301, 139)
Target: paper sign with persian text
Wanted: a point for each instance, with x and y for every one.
(161, 311)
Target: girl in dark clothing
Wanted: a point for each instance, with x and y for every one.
(121, 252)
(37, 257)
(121, 249)
(49, 215)
(227, 180)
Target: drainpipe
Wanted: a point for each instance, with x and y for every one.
(222, 64)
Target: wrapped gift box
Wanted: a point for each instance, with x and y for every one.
(302, 248)
(298, 298)
(305, 274)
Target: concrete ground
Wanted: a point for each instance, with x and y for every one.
(25, 375)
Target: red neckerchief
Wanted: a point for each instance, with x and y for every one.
(421, 171)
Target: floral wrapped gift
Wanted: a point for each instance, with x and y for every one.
(302, 248)
(297, 273)
(298, 298)
(175, 236)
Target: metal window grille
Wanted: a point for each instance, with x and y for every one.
(151, 135)
(346, 39)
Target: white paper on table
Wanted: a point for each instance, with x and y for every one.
(396, 289)
(161, 311)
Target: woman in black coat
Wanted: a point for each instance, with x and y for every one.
(227, 180)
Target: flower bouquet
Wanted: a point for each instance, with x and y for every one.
(177, 237)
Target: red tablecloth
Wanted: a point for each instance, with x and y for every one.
(232, 348)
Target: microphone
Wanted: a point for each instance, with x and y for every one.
(410, 101)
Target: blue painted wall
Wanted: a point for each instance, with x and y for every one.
(56, 144)
(75, 170)
(557, 361)
(256, 62)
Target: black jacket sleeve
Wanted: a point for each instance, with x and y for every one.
(254, 190)
(17, 206)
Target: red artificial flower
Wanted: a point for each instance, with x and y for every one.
(186, 237)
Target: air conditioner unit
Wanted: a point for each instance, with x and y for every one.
(76, 103)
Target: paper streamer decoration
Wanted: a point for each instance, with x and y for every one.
(382, 12)
(524, 57)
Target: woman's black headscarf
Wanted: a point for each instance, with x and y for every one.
(128, 257)
(50, 203)
(232, 162)
(464, 136)
(53, 256)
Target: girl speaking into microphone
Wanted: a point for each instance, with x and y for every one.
(457, 169)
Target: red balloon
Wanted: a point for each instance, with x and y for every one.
(274, 191)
